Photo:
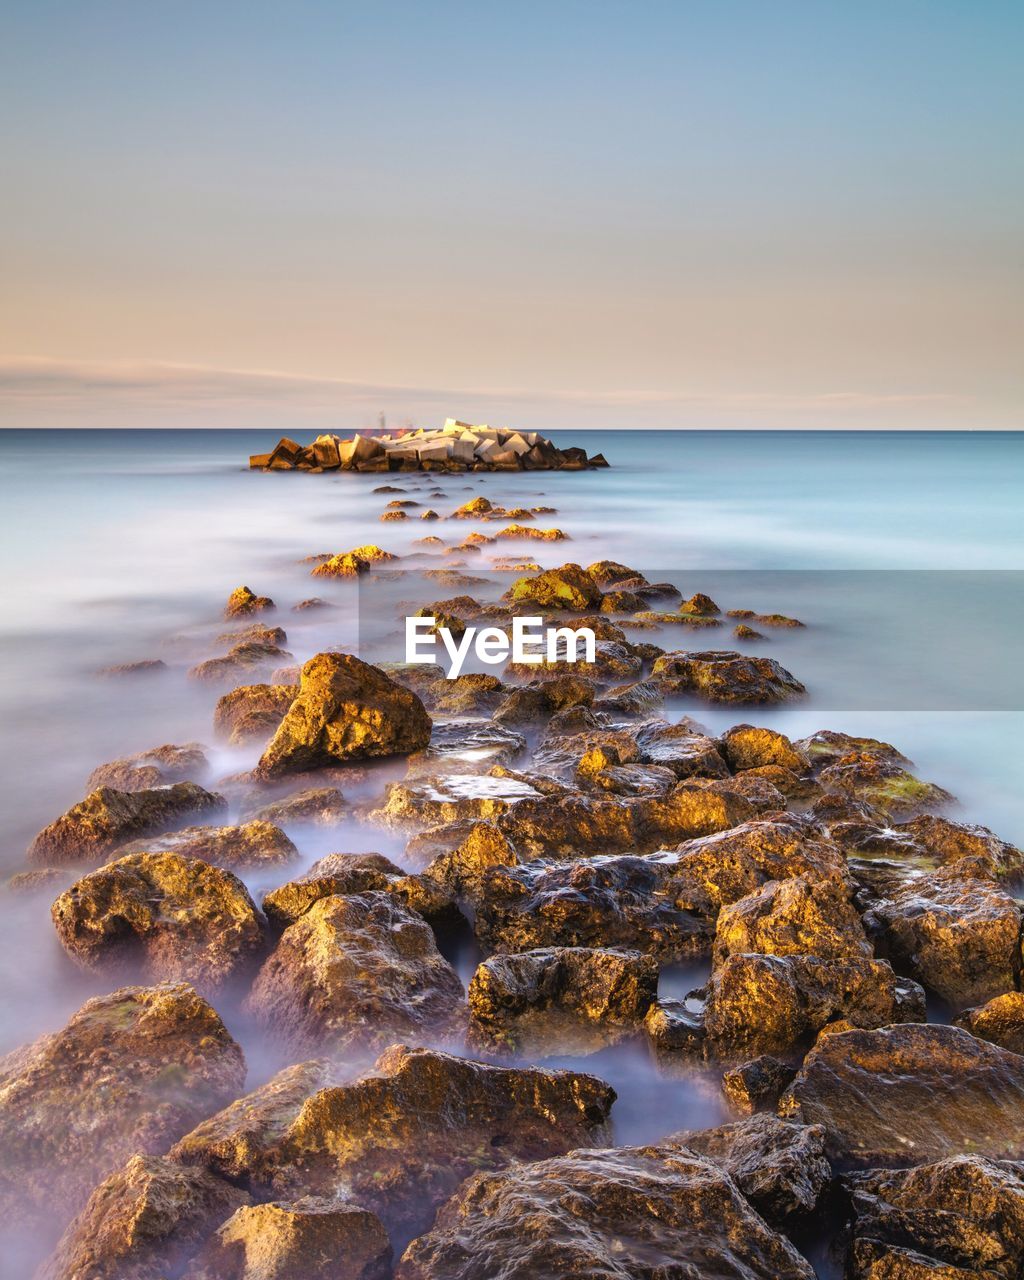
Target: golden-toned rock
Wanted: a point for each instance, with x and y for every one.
(324, 806)
(569, 587)
(345, 710)
(1000, 1020)
(242, 603)
(252, 712)
(724, 676)
(747, 747)
(154, 768)
(799, 916)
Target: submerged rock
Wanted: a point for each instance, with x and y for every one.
(154, 768)
(906, 1094)
(107, 818)
(143, 1222)
(560, 999)
(172, 918)
(131, 1072)
(252, 712)
(631, 1211)
(345, 710)
(400, 1139)
(357, 972)
(724, 676)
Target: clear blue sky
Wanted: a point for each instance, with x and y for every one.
(721, 214)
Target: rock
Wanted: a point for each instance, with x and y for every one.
(636, 699)
(700, 605)
(131, 1072)
(724, 676)
(107, 818)
(780, 1167)
(677, 747)
(251, 845)
(345, 565)
(675, 1033)
(355, 973)
(610, 571)
(142, 1223)
(569, 587)
(560, 999)
(799, 916)
(171, 918)
(242, 603)
(153, 768)
(544, 699)
(400, 1139)
(742, 632)
(308, 605)
(622, 602)
(472, 509)
(957, 1217)
(1000, 1021)
(460, 853)
(757, 1085)
(525, 531)
(345, 710)
(955, 930)
(882, 782)
(626, 1212)
(355, 873)
(257, 633)
(767, 1004)
(747, 747)
(252, 712)
(928, 841)
(246, 657)
(39, 880)
(323, 805)
(144, 667)
(908, 1094)
(308, 1239)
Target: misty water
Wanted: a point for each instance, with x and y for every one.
(902, 553)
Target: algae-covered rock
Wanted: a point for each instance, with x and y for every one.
(626, 1212)
(161, 915)
(107, 818)
(131, 1072)
(345, 710)
(357, 972)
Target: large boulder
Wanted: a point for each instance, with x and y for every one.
(131, 1072)
(400, 1139)
(560, 1000)
(252, 712)
(107, 819)
(956, 930)
(957, 1217)
(345, 710)
(142, 1223)
(747, 747)
(570, 587)
(356, 973)
(307, 1239)
(162, 917)
(629, 1212)
(906, 1094)
(799, 916)
(154, 768)
(723, 676)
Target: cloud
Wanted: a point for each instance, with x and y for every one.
(46, 392)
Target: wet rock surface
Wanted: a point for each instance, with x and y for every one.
(724, 676)
(250, 845)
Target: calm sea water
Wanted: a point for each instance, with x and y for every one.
(902, 552)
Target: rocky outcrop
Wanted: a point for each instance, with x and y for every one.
(252, 712)
(243, 603)
(307, 1239)
(249, 846)
(400, 1139)
(746, 747)
(570, 587)
(324, 806)
(143, 1222)
(345, 710)
(355, 973)
(906, 1094)
(162, 917)
(131, 1072)
(724, 676)
(107, 819)
(633, 1211)
(155, 768)
(560, 1000)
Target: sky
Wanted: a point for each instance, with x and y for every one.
(698, 213)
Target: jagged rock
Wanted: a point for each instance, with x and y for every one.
(1000, 1020)
(345, 565)
(610, 571)
(677, 747)
(345, 710)
(460, 852)
(142, 1223)
(798, 916)
(907, 1094)
(39, 880)
(357, 972)
(355, 873)
(242, 603)
(631, 1211)
(251, 845)
(636, 699)
(757, 1085)
(400, 1139)
(106, 819)
(957, 1217)
(172, 918)
(955, 930)
(780, 1167)
(154, 768)
(244, 658)
(699, 605)
(925, 842)
(675, 1033)
(252, 712)
(130, 1072)
(257, 633)
(724, 676)
(742, 632)
(570, 587)
(308, 1239)
(883, 783)
(323, 805)
(560, 999)
(747, 747)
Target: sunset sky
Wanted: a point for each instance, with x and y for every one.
(687, 214)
